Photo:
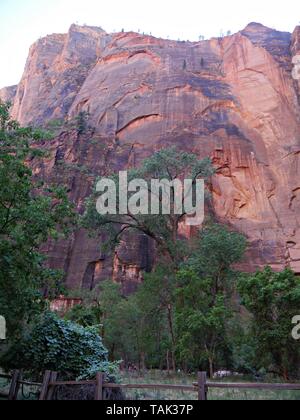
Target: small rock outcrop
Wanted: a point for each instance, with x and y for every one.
(8, 94)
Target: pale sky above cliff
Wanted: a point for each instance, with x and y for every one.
(24, 21)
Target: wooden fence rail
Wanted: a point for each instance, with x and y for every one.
(16, 382)
(258, 386)
(50, 382)
(201, 387)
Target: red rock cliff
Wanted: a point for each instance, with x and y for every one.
(235, 99)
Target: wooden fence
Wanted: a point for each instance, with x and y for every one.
(50, 382)
(16, 382)
(201, 387)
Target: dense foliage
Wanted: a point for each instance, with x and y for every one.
(204, 293)
(177, 319)
(274, 300)
(167, 164)
(62, 346)
(192, 319)
(30, 213)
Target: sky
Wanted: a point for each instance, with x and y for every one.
(22, 22)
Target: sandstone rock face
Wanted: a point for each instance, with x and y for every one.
(236, 99)
(296, 56)
(8, 94)
(56, 68)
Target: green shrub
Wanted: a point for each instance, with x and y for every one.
(62, 346)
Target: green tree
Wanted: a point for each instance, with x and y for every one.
(82, 122)
(204, 296)
(30, 213)
(124, 332)
(155, 301)
(183, 321)
(138, 329)
(109, 296)
(169, 164)
(97, 305)
(273, 299)
(85, 315)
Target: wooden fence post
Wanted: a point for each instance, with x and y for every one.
(99, 386)
(202, 387)
(53, 378)
(15, 385)
(45, 385)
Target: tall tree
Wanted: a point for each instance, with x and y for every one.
(204, 296)
(155, 298)
(30, 213)
(169, 165)
(273, 299)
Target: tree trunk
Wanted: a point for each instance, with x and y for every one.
(211, 368)
(112, 352)
(285, 374)
(143, 362)
(168, 362)
(173, 361)
(170, 320)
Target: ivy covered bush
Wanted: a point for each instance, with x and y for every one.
(61, 346)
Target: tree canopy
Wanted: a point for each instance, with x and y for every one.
(169, 165)
(30, 213)
(273, 299)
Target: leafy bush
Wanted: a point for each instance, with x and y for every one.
(59, 345)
